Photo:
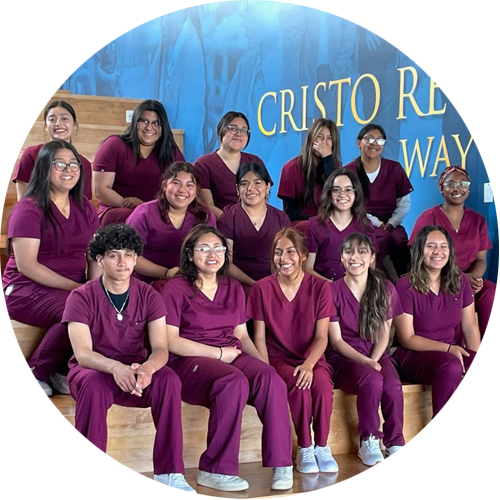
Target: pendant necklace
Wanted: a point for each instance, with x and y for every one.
(119, 315)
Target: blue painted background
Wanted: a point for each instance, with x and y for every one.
(275, 62)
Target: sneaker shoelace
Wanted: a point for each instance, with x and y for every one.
(180, 480)
(308, 454)
(371, 443)
(280, 470)
(323, 452)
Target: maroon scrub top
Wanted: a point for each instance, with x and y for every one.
(123, 340)
(140, 178)
(202, 320)
(162, 241)
(391, 183)
(252, 248)
(435, 316)
(63, 250)
(26, 164)
(347, 310)
(325, 240)
(292, 186)
(471, 238)
(215, 175)
(290, 326)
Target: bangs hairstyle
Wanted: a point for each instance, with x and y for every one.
(165, 145)
(419, 276)
(259, 169)
(187, 267)
(312, 173)
(363, 177)
(226, 120)
(200, 213)
(326, 206)
(298, 240)
(114, 237)
(375, 303)
(61, 104)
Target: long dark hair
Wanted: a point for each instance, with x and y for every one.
(226, 120)
(326, 206)
(376, 301)
(165, 146)
(201, 215)
(312, 173)
(419, 276)
(187, 268)
(363, 177)
(61, 104)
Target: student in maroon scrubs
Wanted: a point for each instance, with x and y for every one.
(48, 231)
(217, 170)
(163, 223)
(61, 124)
(387, 194)
(291, 310)
(469, 233)
(250, 225)
(436, 297)
(128, 168)
(341, 213)
(219, 366)
(365, 304)
(302, 178)
(108, 319)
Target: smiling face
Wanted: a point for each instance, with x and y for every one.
(343, 194)
(436, 251)
(252, 190)
(149, 132)
(66, 180)
(287, 259)
(370, 151)
(357, 258)
(59, 123)
(235, 141)
(118, 265)
(180, 190)
(455, 194)
(209, 254)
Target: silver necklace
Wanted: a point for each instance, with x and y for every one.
(254, 222)
(119, 315)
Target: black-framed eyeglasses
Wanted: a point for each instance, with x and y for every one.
(379, 141)
(234, 130)
(61, 166)
(454, 185)
(143, 123)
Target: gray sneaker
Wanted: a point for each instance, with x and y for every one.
(282, 478)
(59, 383)
(31, 386)
(175, 480)
(221, 482)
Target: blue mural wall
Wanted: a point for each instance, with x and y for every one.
(284, 65)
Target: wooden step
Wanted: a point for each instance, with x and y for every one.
(21, 472)
(15, 35)
(428, 476)
(8, 17)
(27, 77)
(30, 56)
(131, 430)
(94, 110)
(9, 367)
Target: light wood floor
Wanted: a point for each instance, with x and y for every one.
(428, 476)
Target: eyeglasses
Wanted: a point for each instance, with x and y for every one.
(234, 130)
(454, 185)
(61, 166)
(143, 123)
(206, 250)
(371, 140)
(336, 191)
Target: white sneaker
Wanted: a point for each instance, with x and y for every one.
(398, 454)
(473, 446)
(87, 488)
(172, 486)
(59, 383)
(221, 482)
(369, 451)
(31, 386)
(282, 478)
(444, 448)
(325, 460)
(493, 368)
(306, 461)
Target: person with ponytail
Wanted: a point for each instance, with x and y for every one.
(341, 213)
(365, 304)
(302, 178)
(436, 298)
(387, 194)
